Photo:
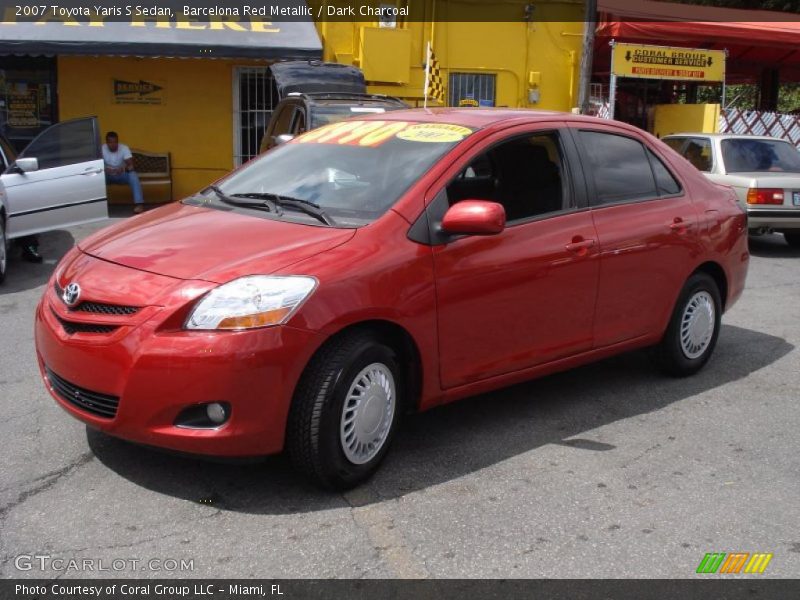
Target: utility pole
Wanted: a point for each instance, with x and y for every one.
(589, 25)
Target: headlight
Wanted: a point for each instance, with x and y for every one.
(253, 301)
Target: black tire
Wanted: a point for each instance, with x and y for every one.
(313, 438)
(671, 356)
(3, 250)
(793, 239)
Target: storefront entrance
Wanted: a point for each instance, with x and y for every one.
(28, 99)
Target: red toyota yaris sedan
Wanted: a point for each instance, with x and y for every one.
(377, 266)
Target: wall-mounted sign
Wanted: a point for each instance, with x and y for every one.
(138, 92)
(663, 62)
(23, 108)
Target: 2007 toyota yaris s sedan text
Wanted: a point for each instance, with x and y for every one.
(383, 265)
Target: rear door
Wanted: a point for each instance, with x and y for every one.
(647, 229)
(67, 189)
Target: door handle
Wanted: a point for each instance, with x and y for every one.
(679, 225)
(92, 172)
(580, 247)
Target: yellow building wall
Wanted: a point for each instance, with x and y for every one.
(194, 121)
(680, 118)
(542, 55)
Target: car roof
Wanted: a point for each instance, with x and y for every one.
(478, 118)
(362, 101)
(317, 97)
(726, 136)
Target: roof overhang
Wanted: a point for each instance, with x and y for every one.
(211, 39)
(754, 39)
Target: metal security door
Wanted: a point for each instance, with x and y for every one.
(472, 89)
(254, 98)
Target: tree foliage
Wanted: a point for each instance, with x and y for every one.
(789, 6)
(745, 96)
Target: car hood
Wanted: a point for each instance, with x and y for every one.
(189, 242)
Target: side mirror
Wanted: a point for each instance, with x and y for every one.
(474, 217)
(283, 138)
(26, 165)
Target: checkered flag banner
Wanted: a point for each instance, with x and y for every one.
(434, 87)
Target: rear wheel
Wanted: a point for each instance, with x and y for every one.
(345, 411)
(693, 329)
(793, 239)
(3, 250)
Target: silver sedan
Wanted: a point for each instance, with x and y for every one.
(764, 171)
(56, 182)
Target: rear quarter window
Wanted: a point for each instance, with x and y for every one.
(666, 182)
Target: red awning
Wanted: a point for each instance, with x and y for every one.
(754, 39)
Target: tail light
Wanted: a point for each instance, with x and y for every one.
(765, 196)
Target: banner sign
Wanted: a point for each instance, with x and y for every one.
(663, 62)
(138, 92)
(23, 109)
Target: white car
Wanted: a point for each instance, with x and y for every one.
(57, 181)
(764, 171)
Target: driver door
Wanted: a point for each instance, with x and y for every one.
(67, 188)
(526, 296)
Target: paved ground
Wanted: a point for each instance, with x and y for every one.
(608, 471)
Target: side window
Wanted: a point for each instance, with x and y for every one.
(620, 168)
(665, 181)
(63, 144)
(675, 143)
(298, 122)
(698, 152)
(524, 174)
(283, 120)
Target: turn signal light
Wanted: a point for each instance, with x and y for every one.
(264, 319)
(765, 196)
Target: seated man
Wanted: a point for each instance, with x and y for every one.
(119, 168)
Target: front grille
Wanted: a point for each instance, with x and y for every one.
(99, 308)
(106, 309)
(101, 405)
(72, 327)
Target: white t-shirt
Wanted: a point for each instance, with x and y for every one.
(118, 158)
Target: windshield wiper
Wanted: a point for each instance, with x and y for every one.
(264, 203)
(306, 206)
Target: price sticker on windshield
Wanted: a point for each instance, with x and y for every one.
(434, 132)
(375, 133)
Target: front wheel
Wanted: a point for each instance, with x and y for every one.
(345, 411)
(693, 329)
(793, 239)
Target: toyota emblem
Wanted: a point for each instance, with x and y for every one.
(71, 294)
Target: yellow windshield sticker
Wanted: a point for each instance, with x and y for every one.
(434, 132)
(374, 133)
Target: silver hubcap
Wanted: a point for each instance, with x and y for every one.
(368, 413)
(697, 324)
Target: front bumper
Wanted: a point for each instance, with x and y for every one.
(156, 373)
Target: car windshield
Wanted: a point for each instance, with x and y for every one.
(746, 156)
(353, 170)
(325, 114)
